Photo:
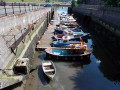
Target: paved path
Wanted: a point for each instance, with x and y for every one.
(46, 38)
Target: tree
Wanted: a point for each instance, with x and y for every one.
(82, 1)
(73, 3)
(112, 2)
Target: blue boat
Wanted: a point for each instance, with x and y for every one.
(66, 40)
(60, 29)
(76, 52)
(72, 34)
(62, 43)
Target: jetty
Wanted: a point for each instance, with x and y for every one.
(46, 38)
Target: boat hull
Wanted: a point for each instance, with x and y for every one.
(77, 57)
(48, 73)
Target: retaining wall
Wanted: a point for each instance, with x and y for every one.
(14, 27)
(109, 15)
(102, 37)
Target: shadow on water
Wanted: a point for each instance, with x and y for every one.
(42, 56)
(43, 78)
(108, 68)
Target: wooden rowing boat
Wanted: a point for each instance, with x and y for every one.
(49, 69)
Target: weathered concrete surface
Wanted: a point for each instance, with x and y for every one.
(29, 45)
(12, 28)
(109, 15)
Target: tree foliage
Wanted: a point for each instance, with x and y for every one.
(112, 2)
(73, 3)
(82, 1)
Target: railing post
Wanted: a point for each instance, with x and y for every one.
(19, 8)
(25, 7)
(5, 9)
(13, 8)
(32, 6)
(29, 7)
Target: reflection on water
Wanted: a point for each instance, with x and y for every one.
(62, 9)
(97, 74)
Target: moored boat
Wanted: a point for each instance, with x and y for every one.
(49, 69)
(69, 54)
(66, 40)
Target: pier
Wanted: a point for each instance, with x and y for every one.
(46, 38)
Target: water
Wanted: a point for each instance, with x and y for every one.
(98, 74)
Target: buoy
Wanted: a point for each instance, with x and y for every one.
(49, 57)
(57, 58)
(73, 58)
(88, 56)
(41, 35)
(81, 58)
(65, 36)
(29, 25)
(66, 58)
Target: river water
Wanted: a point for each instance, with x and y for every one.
(97, 74)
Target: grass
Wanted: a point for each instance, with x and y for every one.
(36, 1)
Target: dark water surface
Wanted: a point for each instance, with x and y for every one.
(97, 74)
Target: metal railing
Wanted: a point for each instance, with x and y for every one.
(8, 9)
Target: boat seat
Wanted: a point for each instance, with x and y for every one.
(47, 63)
(49, 70)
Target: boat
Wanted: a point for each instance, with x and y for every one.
(76, 52)
(59, 29)
(72, 36)
(67, 32)
(67, 18)
(69, 23)
(49, 69)
(66, 40)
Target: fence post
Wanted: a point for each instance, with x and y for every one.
(13, 8)
(32, 6)
(5, 9)
(25, 7)
(19, 8)
(29, 7)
